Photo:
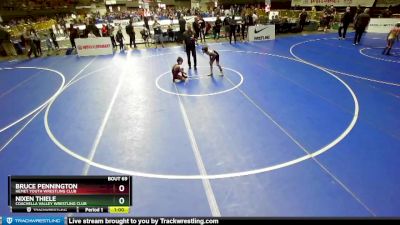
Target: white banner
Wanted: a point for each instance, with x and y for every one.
(94, 46)
(382, 25)
(387, 3)
(336, 3)
(261, 32)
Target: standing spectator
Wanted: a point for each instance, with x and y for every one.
(244, 24)
(358, 12)
(302, 17)
(190, 46)
(202, 25)
(146, 23)
(344, 23)
(170, 33)
(53, 38)
(387, 13)
(145, 36)
(92, 28)
(104, 31)
(73, 34)
(112, 36)
(49, 43)
(131, 32)
(182, 27)
(226, 25)
(36, 40)
(120, 39)
(232, 28)
(158, 36)
(196, 27)
(32, 45)
(217, 27)
(250, 21)
(5, 42)
(360, 25)
(255, 18)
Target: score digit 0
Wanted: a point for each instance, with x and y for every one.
(121, 200)
(121, 188)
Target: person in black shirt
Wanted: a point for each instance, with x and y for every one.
(182, 27)
(190, 46)
(225, 23)
(146, 23)
(131, 32)
(196, 27)
(158, 34)
(344, 23)
(73, 34)
(232, 28)
(387, 13)
(217, 27)
(54, 38)
(202, 25)
(112, 36)
(120, 40)
(303, 17)
(360, 25)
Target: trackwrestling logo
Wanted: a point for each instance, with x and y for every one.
(34, 220)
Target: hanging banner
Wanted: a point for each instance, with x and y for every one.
(387, 3)
(335, 3)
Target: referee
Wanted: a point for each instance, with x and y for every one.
(190, 46)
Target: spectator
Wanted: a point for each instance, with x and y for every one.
(360, 25)
(344, 23)
(104, 31)
(36, 41)
(202, 25)
(50, 47)
(196, 28)
(5, 42)
(226, 25)
(302, 17)
(387, 13)
(131, 32)
(145, 36)
(157, 33)
(91, 35)
(232, 28)
(170, 33)
(112, 36)
(53, 38)
(217, 27)
(182, 27)
(120, 39)
(73, 34)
